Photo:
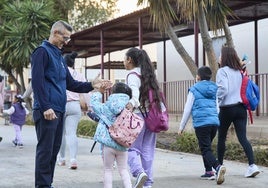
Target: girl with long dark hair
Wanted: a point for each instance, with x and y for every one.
(140, 79)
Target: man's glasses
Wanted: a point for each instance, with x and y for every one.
(66, 39)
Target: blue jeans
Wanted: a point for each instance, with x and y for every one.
(237, 115)
(49, 136)
(205, 136)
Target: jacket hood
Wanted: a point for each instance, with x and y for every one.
(207, 88)
(117, 102)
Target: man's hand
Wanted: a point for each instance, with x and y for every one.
(101, 83)
(50, 114)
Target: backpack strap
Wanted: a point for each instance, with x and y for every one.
(250, 116)
(145, 114)
(133, 73)
(150, 95)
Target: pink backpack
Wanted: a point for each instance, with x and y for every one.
(156, 119)
(126, 128)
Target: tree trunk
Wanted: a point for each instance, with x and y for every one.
(207, 41)
(228, 35)
(181, 50)
(22, 86)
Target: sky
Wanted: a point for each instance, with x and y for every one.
(127, 6)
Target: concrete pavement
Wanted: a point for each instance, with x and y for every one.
(171, 169)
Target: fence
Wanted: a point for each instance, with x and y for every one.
(176, 94)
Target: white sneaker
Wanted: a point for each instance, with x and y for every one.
(252, 171)
(141, 178)
(61, 162)
(73, 164)
(220, 174)
(149, 186)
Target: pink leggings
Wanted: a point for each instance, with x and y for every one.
(110, 155)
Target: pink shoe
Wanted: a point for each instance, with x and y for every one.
(73, 165)
(61, 162)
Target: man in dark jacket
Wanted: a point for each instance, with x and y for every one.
(50, 79)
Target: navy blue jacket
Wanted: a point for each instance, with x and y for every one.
(51, 78)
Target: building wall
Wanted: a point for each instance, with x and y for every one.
(243, 37)
(117, 74)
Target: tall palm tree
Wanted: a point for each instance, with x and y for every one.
(24, 25)
(210, 14)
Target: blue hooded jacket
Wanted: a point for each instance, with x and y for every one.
(204, 110)
(107, 112)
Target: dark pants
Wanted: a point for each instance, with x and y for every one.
(49, 136)
(237, 115)
(205, 136)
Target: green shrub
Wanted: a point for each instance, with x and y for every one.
(188, 143)
(86, 128)
(29, 120)
(261, 156)
(234, 151)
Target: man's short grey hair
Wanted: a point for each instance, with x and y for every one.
(61, 26)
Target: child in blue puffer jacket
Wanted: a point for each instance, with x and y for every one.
(202, 104)
(107, 113)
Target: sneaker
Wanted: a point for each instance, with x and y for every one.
(149, 186)
(73, 165)
(20, 146)
(220, 174)
(61, 162)
(208, 176)
(114, 165)
(141, 178)
(252, 171)
(14, 142)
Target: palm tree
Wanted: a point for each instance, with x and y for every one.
(210, 15)
(24, 25)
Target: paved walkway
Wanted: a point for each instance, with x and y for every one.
(171, 169)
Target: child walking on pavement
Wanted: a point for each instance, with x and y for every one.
(17, 113)
(107, 113)
(232, 110)
(202, 104)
